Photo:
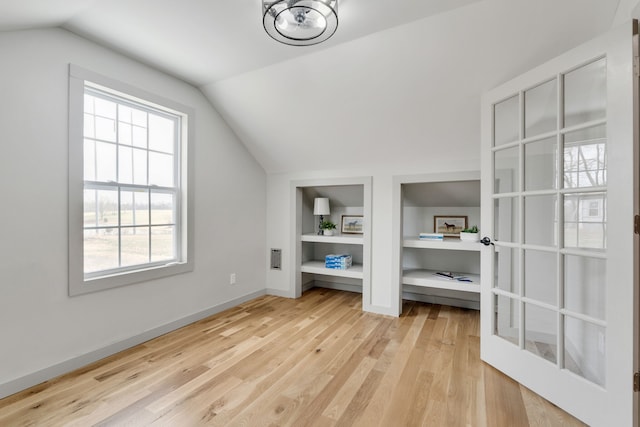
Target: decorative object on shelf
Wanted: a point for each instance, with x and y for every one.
(352, 224)
(327, 228)
(470, 234)
(449, 225)
(431, 236)
(300, 22)
(452, 276)
(321, 207)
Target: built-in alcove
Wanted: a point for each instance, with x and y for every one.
(419, 198)
(347, 197)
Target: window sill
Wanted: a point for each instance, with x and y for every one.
(81, 286)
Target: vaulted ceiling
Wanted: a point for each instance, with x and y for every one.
(398, 84)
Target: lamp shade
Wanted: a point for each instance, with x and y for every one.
(300, 22)
(321, 206)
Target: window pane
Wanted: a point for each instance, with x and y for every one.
(90, 209)
(507, 269)
(141, 204)
(585, 94)
(139, 136)
(540, 108)
(89, 126)
(124, 114)
(134, 207)
(125, 165)
(100, 249)
(507, 322)
(139, 117)
(507, 167)
(107, 208)
(163, 244)
(585, 285)
(139, 167)
(540, 166)
(584, 352)
(105, 162)
(105, 129)
(507, 121)
(161, 133)
(120, 171)
(585, 221)
(105, 108)
(540, 220)
(540, 276)
(89, 152)
(507, 219)
(124, 134)
(541, 331)
(135, 245)
(585, 158)
(162, 209)
(126, 208)
(161, 169)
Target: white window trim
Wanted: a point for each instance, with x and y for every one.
(78, 285)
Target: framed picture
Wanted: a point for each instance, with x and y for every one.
(449, 225)
(352, 224)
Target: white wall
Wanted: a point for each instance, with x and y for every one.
(383, 298)
(40, 325)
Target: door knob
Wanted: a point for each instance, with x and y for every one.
(486, 241)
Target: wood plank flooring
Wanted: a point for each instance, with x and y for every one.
(315, 361)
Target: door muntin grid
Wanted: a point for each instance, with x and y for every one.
(550, 218)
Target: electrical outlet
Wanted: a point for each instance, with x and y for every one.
(232, 279)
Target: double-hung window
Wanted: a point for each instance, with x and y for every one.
(128, 185)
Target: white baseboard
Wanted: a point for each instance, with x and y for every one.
(384, 311)
(35, 378)
(280, 293)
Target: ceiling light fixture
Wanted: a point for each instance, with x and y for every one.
(300, 22)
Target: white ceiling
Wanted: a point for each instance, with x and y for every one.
(406, 98)
(398, 84)
(203, 41)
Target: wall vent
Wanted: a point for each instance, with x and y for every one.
(276, 259)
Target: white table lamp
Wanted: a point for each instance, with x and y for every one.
(321, 207)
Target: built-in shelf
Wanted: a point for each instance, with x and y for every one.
(350, 196)
(451, 244)
(423, 198)
(347, 239)
(428, 278)
(317, 267)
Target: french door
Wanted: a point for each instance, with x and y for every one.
(558, 290)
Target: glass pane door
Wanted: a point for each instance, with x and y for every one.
(550, 210)
(559, 291)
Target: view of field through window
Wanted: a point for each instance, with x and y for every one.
(130, 192)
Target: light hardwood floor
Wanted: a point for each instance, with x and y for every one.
(315, 361)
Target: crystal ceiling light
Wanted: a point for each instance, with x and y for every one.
(300, 22)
